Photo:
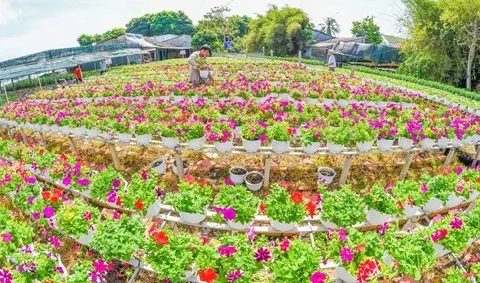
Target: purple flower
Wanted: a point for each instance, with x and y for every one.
(251, 234)
(456, 223)
(383, 228)
(83, 182)
(342, 236)
(6, 238)
(31, 199)
(116, 183)
(318, 277)
(30, 180)
(234, 275)
(262, 255)
(59, 269)
(346, 254)
(67, 181)
(227, 250)
(229, 214)
(459, 170)
(159, 192)
(36, 215)
(55, 242)
(96, 277)
(424, 188)
(5, 276)
(100, 266)
(48, 212)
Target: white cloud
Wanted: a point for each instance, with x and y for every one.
(7, 12)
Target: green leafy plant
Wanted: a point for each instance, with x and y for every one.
(192, 197)
(241, 200)
(377, 198)
(307, 136)
(194, 131)
(280, 206)
(334, 207)
(102, 183)
(141, 191)
(409, 192)
(76, 218)
(363, 132)
(252, 131)
(279, 132)
(338, 135)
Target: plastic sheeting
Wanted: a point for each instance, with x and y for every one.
(50, 60)
(376, 53)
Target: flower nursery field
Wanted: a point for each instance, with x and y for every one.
(274, 172)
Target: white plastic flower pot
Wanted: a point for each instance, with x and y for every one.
(328, 101)
(224, 147)
(312, 100)
(334, 148)
(204, 74)
(283, 227)
(54, 128)
(343, 102)
(456, 142)
(107, 136)
(65, 130)
(474, 195)
(476, 138)
(154, 209)
(387, 259)
(364, 146)
(443, 142)
(239, 226)
(326, 174)
(192, 218)
(433, 204)
(405, 143)
(251, 146)
(124, 138)
(375, 217)
(79, 132)
(311, 148)
(45, 128)
(344, 275)
(178, 98)
(384, 145)
(467, 140)
(382, 104)
(279, 146)
(237, 130)
(144, 139)
(175, 169)
(93, 133)
(254, 186)
(196, 144)
(159, 165)
(454, 200)
(84, 240)
(328, 224)
(440, 250)
(170, 142)
(412, 211)
(427, 143)
(237, 179)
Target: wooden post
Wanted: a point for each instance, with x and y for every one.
(346, 169)
(477, 155)
(179, 162)
(352, 71)
(113, 151)
(449, 157)
(406, 166)
(72, 143)
(30, 80)
(271, 53)
(266, 174)
(134, 275)
(42, 138)
(54, 77)
(299, 56)
(39, 82)
(5, 90)
(13, 84)
(23, 136)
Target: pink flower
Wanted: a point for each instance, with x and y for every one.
(66, 181)
(30, 180)
(55, 242)
(229, 213)
(116, 215)
(346, 254)
(318, 277)
(96, 277)
(456, 223)
(262, 138)
(424, 188)
(227, 250)
(342, 236)
(36, 215)
(284, 245)
(229, 182)
(100, 266)
(5, 276)
(459, 170)
(262, 255)
(234, 275)
(6, 238)
(383, 228)
(144, 175)
(48, 212)
(251, 234)
(116, 183)
(87, 216)
(83, 182)
(437, 236)
(389, 187)
(459, 188)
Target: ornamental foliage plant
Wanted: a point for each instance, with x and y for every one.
(105, 181)
(279, 132)
(242, 201)
(284, 207)
(142, 191)
(191, 198)
(334, 208)
(376, 197)
(76, 218)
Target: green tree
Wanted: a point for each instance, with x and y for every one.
(169, 22)
(369, 29)
(113, 33)
(141, 25)
(330, 26)
(86, 39)
(285, 31)
(206, 36)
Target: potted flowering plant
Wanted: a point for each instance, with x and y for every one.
(441, 188)
(254, 180)
(143, 133)
(9, 181)
(428, 137)
(410, 196)
(342, 96)
(169, 134)
(195, 135)
(335, 213)
(449, 234)
(106, 183)
(28, 190)
(237, 174)
(283, 209)
(252, 135)
(237, 206)
(388, 133)
(409, 133)
(280, 134)
(124, 131)
(191, 201)
(76, 219)
(337, 138)
(141, 194)
(221, 134)
(310, 138)
(364, 136)
(381, 206)
(128, 236)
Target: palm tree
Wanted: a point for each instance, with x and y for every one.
(330, 26)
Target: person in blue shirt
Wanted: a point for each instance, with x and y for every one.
(332, 62)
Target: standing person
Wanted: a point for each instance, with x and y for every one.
(332, 62)
(78, 74)
(195, 61)
(103, 66)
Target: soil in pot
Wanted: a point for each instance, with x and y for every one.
(239, 171)
(254, 178)
(326, 172)
(158, 163)
(185, 164)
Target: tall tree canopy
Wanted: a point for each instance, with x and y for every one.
(285, 31)
(165, 22)
(86, 39)
(141, 25)
(369, 29)
(330, 26)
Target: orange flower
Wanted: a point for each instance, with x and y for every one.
(360, 247)
(297, 197)
(262, 208)
(57, 192)
(203, 183)
(139, 204)
(400, 204)
(208, 275)
(311, 207)
(478, 180)
(160, 238)
(45, 195)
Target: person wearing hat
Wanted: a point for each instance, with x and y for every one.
(332, 63)
(195, 60)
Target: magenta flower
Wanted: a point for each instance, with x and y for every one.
(6, 238)
(318, 277)
(5, 276)
(144, 175)
(96, 277)
(31, 199)
(227, 250)
(437, 236)
(100, 266)
(251, 234)
(48, 212)
(342, 236)
(55, 242)
(383, 229)
(83, 182)
(284, 245)
(36, 215)
(459, 188)
(234, 275)
(262, 255)
(389, 187)
(346, 254)
(456, 223)
(229, 182)
(30, 180)
(87, 216)
(459, 170)
(229, 214)
(116, 215)
(262, 138)
(66, 181)
(116, 183)
(424, 188)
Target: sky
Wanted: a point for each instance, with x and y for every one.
(29, 26)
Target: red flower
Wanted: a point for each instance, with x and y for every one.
(118, 201)
(189, 179)
(297, 197)
(285, 184)
(400, 204)
(41, 152)
(203, 183)
(262, 208)
(360, 247)
(208, 275)
(478, 180)
(139, 204)
(311, 207)
(57, 192)
(160, 238)
(45, 195)
(367, 270)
